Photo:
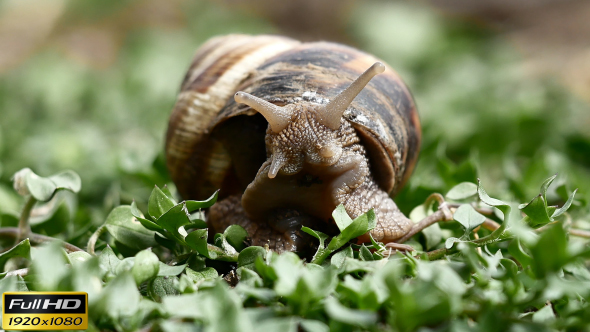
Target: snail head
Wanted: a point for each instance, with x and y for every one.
(306, 132)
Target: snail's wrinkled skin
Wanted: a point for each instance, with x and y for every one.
(310, 167)
(310, 137)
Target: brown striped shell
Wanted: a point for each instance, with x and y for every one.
(213, 142)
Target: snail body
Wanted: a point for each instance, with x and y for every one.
(288, 131)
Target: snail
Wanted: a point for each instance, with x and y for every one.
(288, 131)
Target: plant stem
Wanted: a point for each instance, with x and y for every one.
(14, 232)
(476, 236)
(579, 232)
(94, 238)
(482, 210)
(442, 252)
(490, 225)
(442, 214)
(399, 246)
(23, 223)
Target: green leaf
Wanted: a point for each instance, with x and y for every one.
(196, 221)
(146, 223)
(371, 219)
(166, 270)
(23, 249)
(517, 251)
(340, 257)
(167, 192)
(248, 256)
(68, 180)
(284, 324)
(173, 221)
(223, 249)
(108, 261)
(365, 254)
(550, 253)
(462, 191)
(502, 206)
(536, 211)
(193, 206)
(236, 236)
(321, 237)
(176, 326)
(145, 267)
(341, 218)
(309, 325)
(185, 306)
(468, 217)
(565, 206)
(197, 240)
(450, 242)
(318, 235)
(338, 312)
(186, 285)
(578, 270)
(160, 288)
(48, 265)
(41, 188)
(266, 272)
(126, 265)
(546, 185)
(119, 298)
(378, 246)
(159, 203)
(54, 216)
(125, 228)
(251, 279)
(545, 315)
(206, 274)
(433, 235)
(78, 257)
(358, 227)
(165, 242)
(13, 284)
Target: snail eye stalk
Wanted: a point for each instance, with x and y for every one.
(333, 111)
(278, 117)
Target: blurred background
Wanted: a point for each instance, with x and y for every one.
(502, 87)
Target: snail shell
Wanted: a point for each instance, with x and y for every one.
(213, 142)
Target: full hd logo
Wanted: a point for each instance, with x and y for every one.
(45, 311)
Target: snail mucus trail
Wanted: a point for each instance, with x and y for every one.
(315, 162)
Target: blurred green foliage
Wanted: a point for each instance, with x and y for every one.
(526, 279)
(475, 101)
(482, 117)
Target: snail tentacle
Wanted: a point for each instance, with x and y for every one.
(278, 117)
(333, 111)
